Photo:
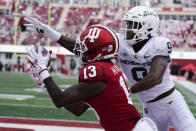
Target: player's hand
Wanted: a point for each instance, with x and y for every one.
(39, 57)
(41, 28)
(36, 78)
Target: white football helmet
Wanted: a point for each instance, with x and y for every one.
(139, 24)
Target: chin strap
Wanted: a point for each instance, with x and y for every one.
(93, 59)
(98, 57)
(110, 56)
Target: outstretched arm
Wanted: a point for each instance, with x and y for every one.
(155, 76)
(73, 94)
(42, 29)
(66, 42)
(72, 97)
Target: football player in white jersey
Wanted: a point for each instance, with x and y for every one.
(145, 59)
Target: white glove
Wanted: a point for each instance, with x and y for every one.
(36, 78)
(41, 28)
(39, 60)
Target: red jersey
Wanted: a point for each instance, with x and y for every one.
(113, 106)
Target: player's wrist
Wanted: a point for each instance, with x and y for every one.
(53, 34)
(44, 74)
(40, 68)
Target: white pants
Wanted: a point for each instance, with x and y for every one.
(145, 124)
(171, 110)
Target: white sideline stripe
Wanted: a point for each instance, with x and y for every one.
(40, 90)
(16, 97)
(47, 128)
(188, 85)
(40, 98)
(30, 118)
(38, 106)
(36, 89)
(25, 105)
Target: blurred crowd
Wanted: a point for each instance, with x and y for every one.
(186, 3)
(178, 31)
(24, 67)
(181, 32)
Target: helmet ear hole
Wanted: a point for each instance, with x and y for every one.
(90, 52)
(149, 36)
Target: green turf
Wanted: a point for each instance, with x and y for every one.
(42, 107)
(189, 96)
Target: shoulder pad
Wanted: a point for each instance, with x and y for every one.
(162, 46)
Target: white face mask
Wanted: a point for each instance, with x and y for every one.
(132, 31)
(79, 49)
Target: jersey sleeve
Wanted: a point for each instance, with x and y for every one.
(92, 73)
(163, 47)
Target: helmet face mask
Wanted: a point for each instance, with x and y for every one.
(131, 28)
(97, 42)
(142, 21)
(79, 48)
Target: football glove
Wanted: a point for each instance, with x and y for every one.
(39, 58)
(36, 78)
(41, 28)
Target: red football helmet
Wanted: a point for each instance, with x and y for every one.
(97, 42)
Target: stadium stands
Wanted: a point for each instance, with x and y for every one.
(176, 30)
(181, 32)
(77, 17)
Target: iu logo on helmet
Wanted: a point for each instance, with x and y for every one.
(93, 34)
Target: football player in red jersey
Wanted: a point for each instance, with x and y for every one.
(101, 83)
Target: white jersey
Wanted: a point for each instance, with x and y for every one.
(137, 65)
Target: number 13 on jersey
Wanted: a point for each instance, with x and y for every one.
(92, 72)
